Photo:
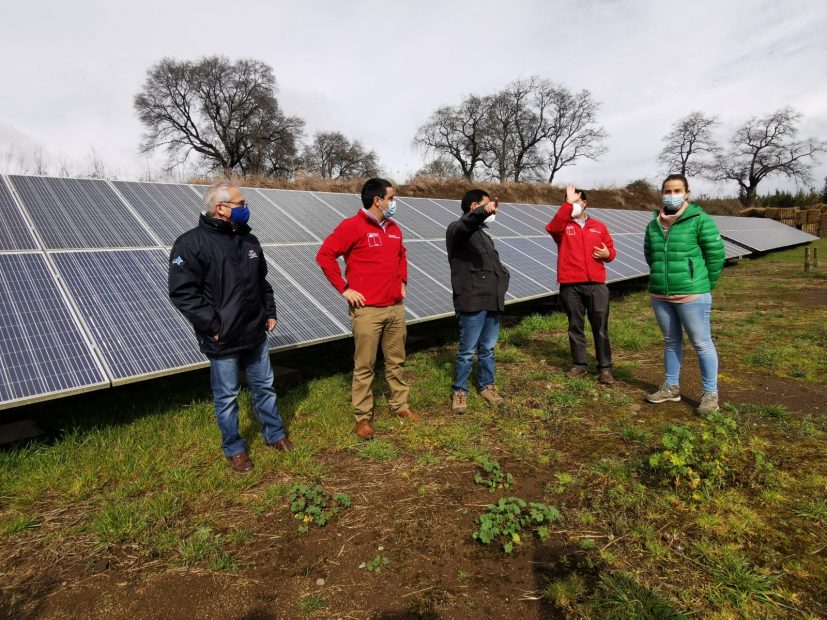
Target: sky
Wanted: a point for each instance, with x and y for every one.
(376, 69)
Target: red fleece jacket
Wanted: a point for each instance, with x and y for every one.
(575, 263)
(375, 259)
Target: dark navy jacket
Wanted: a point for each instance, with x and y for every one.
(218, 280)
(478, 278)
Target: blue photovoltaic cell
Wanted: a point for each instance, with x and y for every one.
(79, 213)
(169, 210)
(530, 274)
(123, 298)
(619, 221)
(272, 224)
(350, 204)
(733, 250)
(306, 209)
(299, 262)
(762, 235)
(429, 280)
(42, 349)
(300, 320)
(14, 232)
(630, 261)
(418, 218)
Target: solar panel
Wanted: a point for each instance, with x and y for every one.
(429, 280)
(42, 349)
(522, 285)
(733, 250)
(169, 210)
(523, 254)
(14, 232)
(765, 234)
(619, 221)
(299, 262)
(79, 213)
(306, 209)
(420, 220)
(123, 298)
(301, 318)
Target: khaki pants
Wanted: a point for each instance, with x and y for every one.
(372, 325)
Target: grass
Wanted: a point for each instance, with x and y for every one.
(141, 479)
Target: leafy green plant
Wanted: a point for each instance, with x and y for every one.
(375, 565)
(490, 474)
(504, 522)
(311, 504)
(707, 458)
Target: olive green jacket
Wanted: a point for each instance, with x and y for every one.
(689, 258)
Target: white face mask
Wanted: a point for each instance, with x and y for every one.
(577, 209)
(490, 218)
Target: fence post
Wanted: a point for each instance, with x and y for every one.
(815, 258)
(806, 260)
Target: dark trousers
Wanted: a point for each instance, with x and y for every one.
(580, 300)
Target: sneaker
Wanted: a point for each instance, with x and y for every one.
(666, 392)
(709, 404)
(606, 377)
(489, 395)
(460, 402)
(577, 371)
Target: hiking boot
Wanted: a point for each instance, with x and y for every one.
(282, 445)
(240, 463)
(576, 371)
(364, 430)
(489, 395)
(709, 404)
(410, 415)
(460, 402)
(666, 392)
(606, 377)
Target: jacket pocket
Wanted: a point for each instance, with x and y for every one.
(691, 269)
(481, 278)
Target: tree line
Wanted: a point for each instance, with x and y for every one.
(225, 116)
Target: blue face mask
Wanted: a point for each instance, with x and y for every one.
(672, 202)
(240, 215)
(391, 209)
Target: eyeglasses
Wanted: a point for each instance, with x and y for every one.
(239, 203)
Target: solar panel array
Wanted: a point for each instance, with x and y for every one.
(83, 272)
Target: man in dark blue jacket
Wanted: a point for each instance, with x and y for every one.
(218, 280)
(479, 282)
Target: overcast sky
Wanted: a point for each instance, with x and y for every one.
(376, 69)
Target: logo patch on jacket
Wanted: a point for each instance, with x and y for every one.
(178, 261)
(252, 254)
(374, 240)
(570, 230)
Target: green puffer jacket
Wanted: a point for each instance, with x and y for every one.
(687, 260)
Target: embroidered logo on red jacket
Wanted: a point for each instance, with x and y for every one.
(374, 240)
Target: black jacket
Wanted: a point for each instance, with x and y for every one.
(218, 280)
(478, 278)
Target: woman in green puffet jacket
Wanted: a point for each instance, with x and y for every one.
(686, 255)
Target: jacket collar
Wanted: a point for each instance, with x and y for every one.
(220, 226)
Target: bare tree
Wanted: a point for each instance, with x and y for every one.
(224, 112)
(767, 146)
(573, 132)
(442, 168)
(690, 148)
(41, 165)
(457, 132)
(97, 167)
(64, 166)
(332, 156)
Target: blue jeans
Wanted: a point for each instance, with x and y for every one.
(478, 333)
(694, 318)
(224, 379)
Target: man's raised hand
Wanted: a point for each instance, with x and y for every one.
(572, 195)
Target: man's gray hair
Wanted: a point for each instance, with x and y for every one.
(216, 193)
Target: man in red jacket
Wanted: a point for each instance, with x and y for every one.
(583, 246)
(376, 273)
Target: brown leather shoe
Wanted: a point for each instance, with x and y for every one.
(240, 463)
(576, 371)
(410, 415)
(364, 430)
(284, 445)
(606, 377)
